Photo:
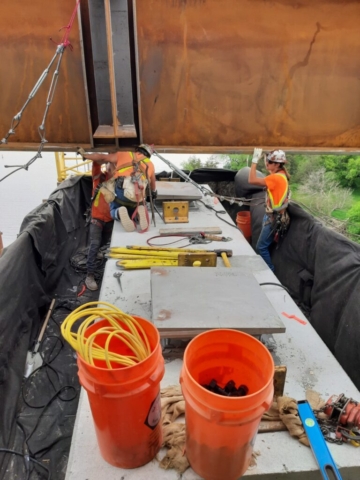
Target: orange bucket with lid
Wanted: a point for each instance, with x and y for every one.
(243, 222)
(221, 431)
(125, 401)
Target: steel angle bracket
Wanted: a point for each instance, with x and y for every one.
(318, 445)
(176, 212)
(206, 259)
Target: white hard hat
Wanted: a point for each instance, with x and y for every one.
(145, 149)
(277, 156)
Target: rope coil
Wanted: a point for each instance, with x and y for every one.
(132, 336)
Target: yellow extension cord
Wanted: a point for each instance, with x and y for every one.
(89, 350)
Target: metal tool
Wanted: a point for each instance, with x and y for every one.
(318, 445)
(34, 359)
(158, 212)
(118, 276)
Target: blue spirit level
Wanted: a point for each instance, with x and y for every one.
(318, 445)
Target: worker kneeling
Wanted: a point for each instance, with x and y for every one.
(126, 190)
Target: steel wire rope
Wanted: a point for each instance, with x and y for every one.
(51, 92)
(205, 191)
(132, 336)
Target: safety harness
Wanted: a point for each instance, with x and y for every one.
(139, 187)
(278, 215)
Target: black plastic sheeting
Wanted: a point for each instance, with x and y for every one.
(33, 270)
(321, 269)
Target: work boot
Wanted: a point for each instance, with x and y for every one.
(125, 220)
(90, 282)
(143, 221)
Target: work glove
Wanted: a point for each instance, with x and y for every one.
(256, 155)
(81, 151)
(153, 196)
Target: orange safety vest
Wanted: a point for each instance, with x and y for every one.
(100, 209)
(124, 167)
(277, 189)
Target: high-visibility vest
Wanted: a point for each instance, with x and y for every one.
(278, 202)
(127, 167)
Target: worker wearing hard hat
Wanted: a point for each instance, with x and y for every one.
(276, 219)
(126, 192)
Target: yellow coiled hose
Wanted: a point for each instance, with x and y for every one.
(89, 350)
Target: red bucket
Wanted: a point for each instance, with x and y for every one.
(243, 221)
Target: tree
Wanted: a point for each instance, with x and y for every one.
(300, 165)
(322, 191)
(345, 167)
(192, 163)
(235, 161)
(212, 162)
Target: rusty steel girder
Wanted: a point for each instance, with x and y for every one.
(210, 75)
(249, 72)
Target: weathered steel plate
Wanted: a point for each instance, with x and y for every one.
(25, 52)
(193, 299)
(249, 72)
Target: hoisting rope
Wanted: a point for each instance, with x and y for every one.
(41, 129)
(122, 326)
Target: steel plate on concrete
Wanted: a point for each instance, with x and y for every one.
(177, 191)
(188, 300)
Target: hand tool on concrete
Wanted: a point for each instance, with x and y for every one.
(189, 230)
(141, 249)
(318, 445)
(164, 254)
(34, 359)
(146, 263)
(184, 259)
(118, 276)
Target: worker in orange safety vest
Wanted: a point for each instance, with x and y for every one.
(276, 219)
(133, 172)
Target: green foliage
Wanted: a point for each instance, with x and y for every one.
(212, 162)
(192, 163)
(345, 167)
(300, 166)
(322, 192)
(354, 213)
(354, 216)
(235, 161)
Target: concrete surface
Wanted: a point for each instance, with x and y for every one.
(309, 362)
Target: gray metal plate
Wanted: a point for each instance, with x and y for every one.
(189, 299)
(177, 191)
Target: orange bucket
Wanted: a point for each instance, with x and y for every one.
(221, 431)
(125, 401)
(243, 221)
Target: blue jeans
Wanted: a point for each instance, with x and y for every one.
(121, 201)
(100, 234)
(266, 238)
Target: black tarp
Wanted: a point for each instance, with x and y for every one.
(34, 269)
